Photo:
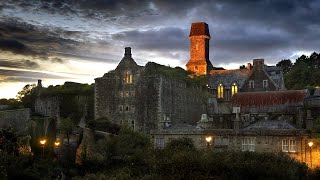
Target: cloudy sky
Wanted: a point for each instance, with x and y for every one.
(79, 40)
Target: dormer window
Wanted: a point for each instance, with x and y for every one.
(251, 84)
(265, 83)
(234, 88)
(220, 91)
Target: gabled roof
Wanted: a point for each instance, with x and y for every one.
(227, 77)
(127, 62)
(199, 29)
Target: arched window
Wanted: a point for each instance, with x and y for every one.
(220, 91)
(127, 78)
(234, 88)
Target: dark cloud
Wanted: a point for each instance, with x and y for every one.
(156, 39)
(23, 64)
(15, 47)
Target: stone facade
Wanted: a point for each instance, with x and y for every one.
(134, 96)
(19, 119)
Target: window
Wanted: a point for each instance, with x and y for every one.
(159, 142)
(127, 78)
(133, 93)
(127, 108)
(120, 94)
(221, 141)
(248, 144)
(265, 83)
(234, 89)
(120, 108)
(132, 125)
(132, 108)
(220, 91)
(127, 93)
(251, 84)
(289, 145)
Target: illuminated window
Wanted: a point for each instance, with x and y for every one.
(127, 78)
(248, 144)
(289, 145)
(133, 93)
(265, 83)
(127, 93)
(234, 89)
(220, 91)
(251, 84)
(120, 93)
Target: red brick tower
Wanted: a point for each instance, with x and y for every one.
(199, 62)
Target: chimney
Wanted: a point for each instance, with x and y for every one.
(127, 51)
(39, 83)
(249, 66)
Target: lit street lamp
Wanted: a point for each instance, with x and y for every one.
(43, 142)
(208, 139)
(57, 144)
(310, 145)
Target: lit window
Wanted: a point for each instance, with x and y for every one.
(220, 91)
(234, 89)
(265, 83)
(120, 94)
(251, 84)
(248, 144)
(289, 145)
(127, 93)
(133, 93)
(127, 78)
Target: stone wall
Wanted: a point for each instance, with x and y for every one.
(19, 119)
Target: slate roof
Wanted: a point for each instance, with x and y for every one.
(269, 124)
(199, 28)
(227, 77)
(269, 98)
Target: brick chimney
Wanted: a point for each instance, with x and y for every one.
(127, 52)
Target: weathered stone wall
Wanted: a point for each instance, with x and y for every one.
(19, 119)
(48, 106)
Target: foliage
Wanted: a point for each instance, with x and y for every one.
(305, 72)
(66, 126)
(11, 103)
(104, 124)
(68, 88)
(286, 65)
(28, 95)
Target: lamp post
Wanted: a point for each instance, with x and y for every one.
(310, 146)
(43, 142)
(208, 139)
(57, 144)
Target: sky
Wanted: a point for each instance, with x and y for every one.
(79, 40)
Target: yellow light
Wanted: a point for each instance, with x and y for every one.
(208, 139)
(57, 143)
(43, 141)
(310, 144)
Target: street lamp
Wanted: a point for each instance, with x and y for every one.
(57, 144)
(310, 145)
(43, 142)
(208, 139)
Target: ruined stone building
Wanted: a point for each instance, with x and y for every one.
(145, 97)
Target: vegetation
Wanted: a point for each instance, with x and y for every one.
(304, 73)
(11, 103)
(27, 96)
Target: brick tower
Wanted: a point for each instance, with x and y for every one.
(199, 62)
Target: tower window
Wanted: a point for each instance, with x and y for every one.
(133, 93)
(220, 91)
(127, 78)
(120, 94)
(234, 89)
(120, 108)
(127, 93)
(251, 84)
(127, 108)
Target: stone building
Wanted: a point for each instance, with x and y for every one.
(146, 98)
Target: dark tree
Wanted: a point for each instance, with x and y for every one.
(286, 65)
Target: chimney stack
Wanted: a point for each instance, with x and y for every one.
(127, 51)
(39, 83)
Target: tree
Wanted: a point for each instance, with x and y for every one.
(286, 65)
(66, 127)
(28, 95)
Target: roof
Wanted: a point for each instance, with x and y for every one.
(269, 124)
(199, 29)
(227, 77)
(269, 98)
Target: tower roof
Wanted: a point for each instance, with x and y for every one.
(199, 28)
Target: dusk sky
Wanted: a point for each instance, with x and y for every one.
(79, 40)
